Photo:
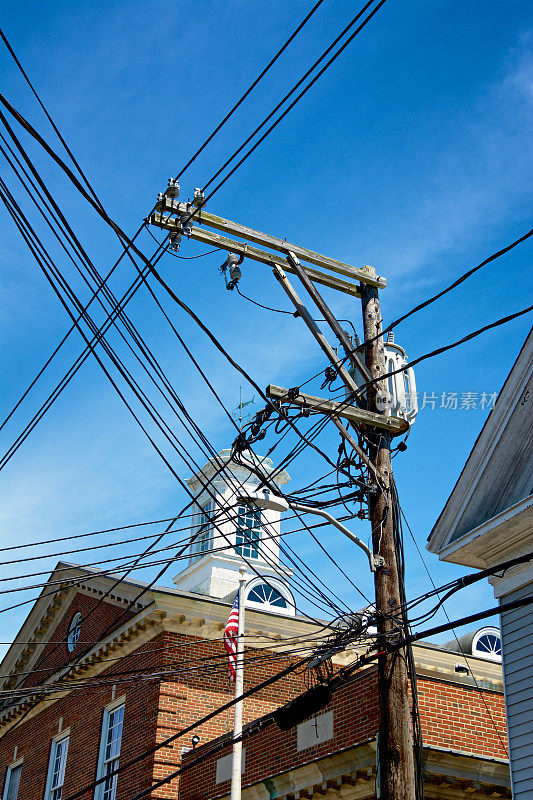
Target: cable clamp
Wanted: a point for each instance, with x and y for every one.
(377, 562)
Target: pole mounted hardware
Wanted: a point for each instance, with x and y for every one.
(395, 426)
(265, 499)
(232, 263)
(168, 211)
(199, 198)
(173, 188)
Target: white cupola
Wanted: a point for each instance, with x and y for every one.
(234, 535)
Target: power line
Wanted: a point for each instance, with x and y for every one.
(282, 311)
(455, 283)
(445, 348)
(251, 87)
(89, 533)
(51, 121)
(291, 92)
(188, 164)
(262, 685)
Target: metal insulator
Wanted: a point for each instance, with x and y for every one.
(199, 198)
(235, 273)
(173, 188)
(174, 237)
(186, 225)
(390, 337)
(356, 340)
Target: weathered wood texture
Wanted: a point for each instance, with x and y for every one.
(396, 762)
(233, 246)
(363, 274)
(393, 425)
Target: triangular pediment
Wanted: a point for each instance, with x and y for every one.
(70, 589)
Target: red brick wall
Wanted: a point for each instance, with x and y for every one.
(269, 752)
(459, 718)
(82, 712)
(453, 716)
(100, 616)
(154, 710)
(202, 687)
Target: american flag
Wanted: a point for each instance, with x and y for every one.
(230, 636)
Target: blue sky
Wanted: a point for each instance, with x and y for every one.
(409, 154)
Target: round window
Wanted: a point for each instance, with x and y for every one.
(74, 632)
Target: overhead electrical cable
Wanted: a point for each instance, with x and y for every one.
(453, 285)
(445, 348)
(291, 92)
(250, 88)
(104, 215)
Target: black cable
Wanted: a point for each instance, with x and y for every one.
(294, 88)
(343, 674)
(78, 580)
(282, 311)
(250, 88)
(439, 350)
(83, 535)
(453, 285)
(50, 120)
(25, 124)
(189, 728)
(102, 213)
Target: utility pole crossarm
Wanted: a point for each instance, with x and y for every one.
(364, 274)
(255, 254)
(395, 426)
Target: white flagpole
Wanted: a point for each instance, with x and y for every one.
(239, 685)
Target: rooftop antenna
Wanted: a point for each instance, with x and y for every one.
(237, 412)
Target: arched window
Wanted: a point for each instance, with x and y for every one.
(487, 644)
(74, 630)
(267, 595)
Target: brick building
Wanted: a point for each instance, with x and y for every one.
(144, 663)
(333, 754)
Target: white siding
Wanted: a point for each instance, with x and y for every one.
(517, 642)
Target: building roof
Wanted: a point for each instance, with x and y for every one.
(496, 481)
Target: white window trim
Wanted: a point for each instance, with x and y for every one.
(491, 631)
(253, 545)
(119, 701)
(284, 591)
(55, 741)
(12, 766)
(74, 623)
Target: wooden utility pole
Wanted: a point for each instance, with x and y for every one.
(396, 774)
(396, 762)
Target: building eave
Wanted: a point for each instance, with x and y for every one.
(463, 493)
